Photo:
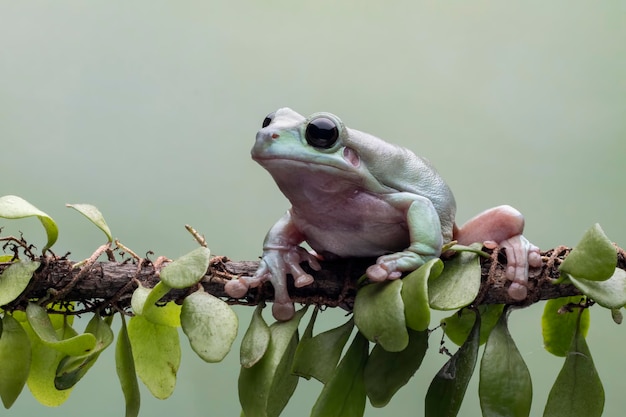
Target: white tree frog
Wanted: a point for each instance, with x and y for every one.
(355, 195)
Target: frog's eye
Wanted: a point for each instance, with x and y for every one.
(321, 133)
(268, 119)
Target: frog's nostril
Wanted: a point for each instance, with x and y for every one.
(275, 135)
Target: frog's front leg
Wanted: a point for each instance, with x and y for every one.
(281, 256)
(425, 237)
(503, 226)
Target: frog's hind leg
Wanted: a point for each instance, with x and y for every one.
(503, 226)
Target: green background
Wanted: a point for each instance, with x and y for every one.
(148, 109)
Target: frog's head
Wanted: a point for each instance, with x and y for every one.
(289, 144)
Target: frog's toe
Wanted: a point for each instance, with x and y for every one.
(520, 254)
(283, 311)
(303, 280)
(236, 288)
(383, 270)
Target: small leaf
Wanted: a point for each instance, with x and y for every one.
(594, 258)
(94, 216)
(72, 368)
(14, 207)
(156, 351)
(458, 284)
(256, 340)
(73, 346)
(318, 356)
(415, 294)
(187, 270)
(505, 387)
(266, 387)
(144, 302)
(558, 325)
(387, 372)
(446, 391)
(577, 390)
(344, 394)
(15, 359)
(210, 324)
(617, 316)
(379, 315)
(610, 293)
(458, 326)
(125, 367)
(15, 279)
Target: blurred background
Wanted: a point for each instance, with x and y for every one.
(148, 109)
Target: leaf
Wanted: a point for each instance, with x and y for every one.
(94, 215)
(210, 324)
(125, 367)
(344, 394)
(143, 302)
(387, 372)
(458, 284)
(505, 387)
(187, 270)
(265, 388)
(256, 340)
(458, 326)
(156, 351)
(318, 356)
(14, 207)
(577, 390)
(379, 315)
(72, 368)
(15, 279)
(446, 391)
(558, 325)
(42, 326)
(594, 258)
(610, 293)
(15, 359)
(415, 294)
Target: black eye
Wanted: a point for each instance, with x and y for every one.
(268, 119)
(321, 133)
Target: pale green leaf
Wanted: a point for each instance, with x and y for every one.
(210, 324)
(14, 207)
(256, 340)
(594, 258)
(379, 315)
(144, 302)
(15, 279)
(187, 270)
(558, 324)
(610, 293)
(15, 359)
(95, 216)
(458, 284)
(458, 326)
(156, 351)
(415, 294)
(125, 367)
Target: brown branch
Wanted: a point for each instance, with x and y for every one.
(110, 284)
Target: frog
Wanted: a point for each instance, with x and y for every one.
(354, 195)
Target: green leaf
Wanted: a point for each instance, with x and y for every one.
(14, 207)
(558, 325)
(187, 270)
(265, 388)
(125, 367)
(505, 387)
(577, 390)
(42, 326)
(458, 326)
(610, 293)
(387, 372)
(415, 294)
(344, 394)
(15, 359)
(15, 279)
(94, 216)
(156, 351)
(458, 284)
(379, 315)
(256, 340)
(45, 361)
(318, 356)
(144, 302)
(210, 324)
(72, 368)
(594, 258)
(447, 389)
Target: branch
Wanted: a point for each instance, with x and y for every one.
(102, 285)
